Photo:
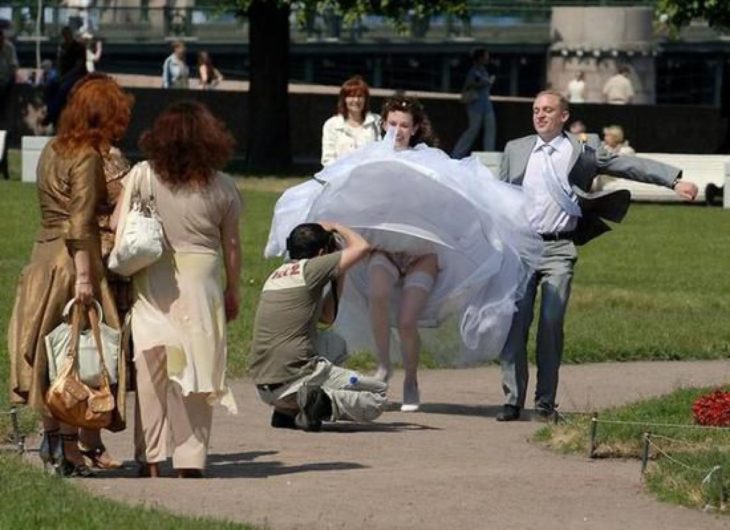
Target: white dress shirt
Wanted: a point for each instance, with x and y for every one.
(546, 215)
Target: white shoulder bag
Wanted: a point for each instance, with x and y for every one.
(140, 239)
(90, 367)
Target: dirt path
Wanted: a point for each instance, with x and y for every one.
(450, 465)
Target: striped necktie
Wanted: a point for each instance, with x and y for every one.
(557, 190)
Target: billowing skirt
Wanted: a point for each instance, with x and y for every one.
(420, 201)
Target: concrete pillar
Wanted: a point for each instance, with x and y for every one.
(596, 41)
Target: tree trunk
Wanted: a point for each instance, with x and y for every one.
(269, 144)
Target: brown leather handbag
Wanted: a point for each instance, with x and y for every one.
(69, 399)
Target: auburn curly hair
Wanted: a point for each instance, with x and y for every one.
(424, 132)
(187, 144)
(97, 114)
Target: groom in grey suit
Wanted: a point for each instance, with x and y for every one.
(556, 171)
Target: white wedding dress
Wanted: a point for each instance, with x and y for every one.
(421, 201)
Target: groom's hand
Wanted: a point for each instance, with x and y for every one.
(686, 190)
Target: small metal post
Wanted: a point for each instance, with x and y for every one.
(721, 490)
(645, 453)
(593, 433)
(18, 440)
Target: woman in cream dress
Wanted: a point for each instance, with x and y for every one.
(181, 305)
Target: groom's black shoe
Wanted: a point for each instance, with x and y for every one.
(545, 412)
(509, 413)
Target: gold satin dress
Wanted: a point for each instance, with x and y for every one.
(71, 189)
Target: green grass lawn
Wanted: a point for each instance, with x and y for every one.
(48, 503)
(693, 452)
(655, 288)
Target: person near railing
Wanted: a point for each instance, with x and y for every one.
(475, 95)
(577, 88)
(93, 50)
(175, 72)
(71, 68)
(619, 90)
(8, 69)
(210, 76)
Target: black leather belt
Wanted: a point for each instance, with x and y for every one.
(270, 387)
(557, 236)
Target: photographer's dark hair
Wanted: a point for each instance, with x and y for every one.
(306, 240)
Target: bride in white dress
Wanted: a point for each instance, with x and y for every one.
(452, 242)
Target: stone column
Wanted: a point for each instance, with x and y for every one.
(597, 40)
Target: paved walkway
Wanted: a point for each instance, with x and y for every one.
(450, 465)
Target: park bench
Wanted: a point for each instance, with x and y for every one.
(707, 171)
(31, 147)
(4, 154)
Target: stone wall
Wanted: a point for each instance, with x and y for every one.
(596, 41)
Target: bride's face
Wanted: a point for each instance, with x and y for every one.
(402, 122)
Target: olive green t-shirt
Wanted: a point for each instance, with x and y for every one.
(282, 348)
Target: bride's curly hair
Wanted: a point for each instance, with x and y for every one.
(424, 132)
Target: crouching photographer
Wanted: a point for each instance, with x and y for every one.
(290, 374)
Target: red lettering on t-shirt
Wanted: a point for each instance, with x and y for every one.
(290, 270)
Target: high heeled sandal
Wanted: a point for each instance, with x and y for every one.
(65, 467)
(98, 457)
(148, 470)
(49, 449)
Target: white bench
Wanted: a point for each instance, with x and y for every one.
(31, 147)
(703, 170)
(3, 154)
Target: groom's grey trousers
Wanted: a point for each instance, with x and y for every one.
(554, 276)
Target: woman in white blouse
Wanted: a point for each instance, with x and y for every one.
(353, 126)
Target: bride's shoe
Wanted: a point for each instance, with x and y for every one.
(383, 373)
(411, 398)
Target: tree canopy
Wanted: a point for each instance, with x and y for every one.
(679, 13)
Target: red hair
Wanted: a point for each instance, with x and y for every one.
(97, 115)
(355, 86)
(187, 144)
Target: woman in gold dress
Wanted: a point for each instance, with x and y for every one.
(66, 259)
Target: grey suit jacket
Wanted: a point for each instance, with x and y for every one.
(585, 164)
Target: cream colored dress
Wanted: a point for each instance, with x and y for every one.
(179, 299)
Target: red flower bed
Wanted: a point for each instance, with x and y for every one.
(713, 409)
